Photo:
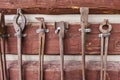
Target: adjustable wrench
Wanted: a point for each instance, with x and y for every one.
(60, 30)
(84, 24)
(105, 33)
(42, 30)
(19, 27)
(3, 35)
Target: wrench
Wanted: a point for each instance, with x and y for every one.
(3, 56)
(84, 24)
(42, 30)
(61, 27)
(19, 27)
(105, 33)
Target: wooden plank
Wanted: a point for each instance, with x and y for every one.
(72, 40)
(61, 11)
(72, 70)
(60, 6)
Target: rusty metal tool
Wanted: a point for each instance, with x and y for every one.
(105, 33)
(84, 24)
(61, 27)
(3, 35)
(19, 27)
(42, 31)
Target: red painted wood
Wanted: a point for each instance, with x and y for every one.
(72, 70)
(60, 6)
(72, 40)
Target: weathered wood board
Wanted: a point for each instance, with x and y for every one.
(60, 6)
(72, 40)
(72, 70)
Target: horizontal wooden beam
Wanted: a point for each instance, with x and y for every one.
(72, 42)
(52, 70)
(61, 11)
(60, 6)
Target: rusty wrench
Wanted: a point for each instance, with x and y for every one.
(105, 33)
(3, 35)
(60, 30)
(19, 27)
(42, 30)
(84, 24)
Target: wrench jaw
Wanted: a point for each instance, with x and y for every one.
(19, 26)
(105, 34)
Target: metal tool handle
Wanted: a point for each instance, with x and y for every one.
(62, 57)
(105, 59)
(41, 57)
(83, 52)
(102, 53)
(19, 58)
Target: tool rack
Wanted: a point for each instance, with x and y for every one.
(61, 38)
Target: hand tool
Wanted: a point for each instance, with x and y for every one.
(3, 35)
(42, 31)
(19, 27)
(60, 30)
(84, 24)
(105, 33)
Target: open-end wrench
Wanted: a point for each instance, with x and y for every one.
(3, 35)
(42, 30)
(19, 27)
(60, 30)
(105, 33)
(84, 24)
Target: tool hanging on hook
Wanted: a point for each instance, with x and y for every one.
(42, 31)
(19, 27)
(105, 33)
(3, 35)
(84, 24)
(61, 27)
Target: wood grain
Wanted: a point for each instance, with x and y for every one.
(60, 6)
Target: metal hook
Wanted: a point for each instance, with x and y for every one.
(19, 27)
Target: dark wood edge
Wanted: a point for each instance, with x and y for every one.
(61, 11)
